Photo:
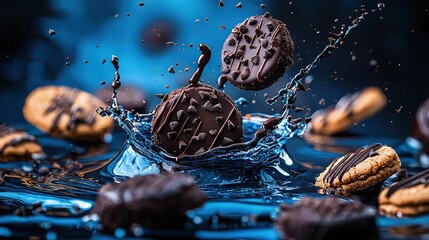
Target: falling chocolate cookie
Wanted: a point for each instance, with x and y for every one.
(256, 53)
(327, 218)
(66, 112)
(408, 197)
(349, 110)
(362, 169)
(196, 118)
(152, 201)
(17, 144)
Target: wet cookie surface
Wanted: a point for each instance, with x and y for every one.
(17, 144)
(256, 53)
(360, 170)
(66, 112)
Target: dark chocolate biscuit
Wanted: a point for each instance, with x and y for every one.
(359, 170)
(152, 201)
(256, 53)
(197, 118)
(130, 97)
(16, 143)
(420, 129)
(327, 218)
(194, 119)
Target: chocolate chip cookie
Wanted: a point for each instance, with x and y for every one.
(359, 170)
(17, 144)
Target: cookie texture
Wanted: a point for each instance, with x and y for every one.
(349, 110)
(362, 169)
(256, 53)
(152, 201)
(195, 119)
(17, 144)
(327, 218)
(406, 198)
(67, 113)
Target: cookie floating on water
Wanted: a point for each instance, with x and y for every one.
(256, 53)
(406, 198)
(196, 118)
(359, 170)
(17, 144)
(67, 113)
(327, 218)
(152, 201)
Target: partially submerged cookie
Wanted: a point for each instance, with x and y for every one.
(66, 112)
(406, 198)
(256, 53)
(196, 118)
(349, 110)
(327, 218)
(362, 169)
(152, 201)
(17, 144)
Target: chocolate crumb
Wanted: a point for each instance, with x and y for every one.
(171, 69)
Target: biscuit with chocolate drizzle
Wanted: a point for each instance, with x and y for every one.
(256, 53)
(17, 144)
(196, 118)
(406, 198)
(67, 113)
(359, 170)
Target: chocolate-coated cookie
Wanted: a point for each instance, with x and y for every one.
(152, 201)
(420, 129)
(17, 144)
(349, 110)
(406, 198)
(195, 119)
(130, 97)
(359, 170)
(256, 53)
(66, 112)
(327, 218)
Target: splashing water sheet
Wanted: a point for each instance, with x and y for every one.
(245, 182)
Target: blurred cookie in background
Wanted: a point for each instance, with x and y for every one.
(350, 109)
(420, 132)
(16, 143)
(130, 97)
(67, 113)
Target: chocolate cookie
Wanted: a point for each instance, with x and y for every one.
(327, 218)
(364, 168)
(406, 198)
(131, 98)
(17, 144)
(349, 110)
(256, 53)
(197, 118)
(420, 129)
(152, 201)
(66, 112)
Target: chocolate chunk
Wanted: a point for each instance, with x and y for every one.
(206, 119)
(231, 42)
(245, 62)
(227, 141)
(239, 54)
(173, 125)
(171, 69)
(272, 34)
(247, 38)
(239, 5)
(246, 73)
(192, 109)
(221, 4)
(327, 218)
(230, 125)
(155, 201)
(252, 21)
(193, 102)
(225, 70)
